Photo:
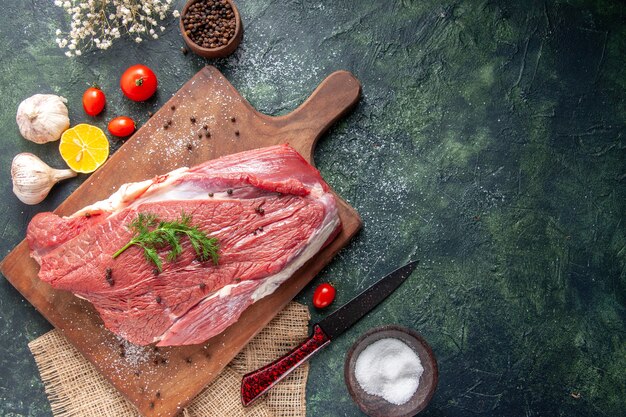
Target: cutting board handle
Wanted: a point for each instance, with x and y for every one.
(332, 99)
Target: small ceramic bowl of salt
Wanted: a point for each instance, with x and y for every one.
(391, 371)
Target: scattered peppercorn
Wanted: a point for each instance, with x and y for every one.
(173, 107)
(87, 215)
(205, 127)
(158, 299)
(260, 210)
(192, 119)
(210, 194)
(229, 191)
(207, 134)
(136, 373)
(210, 23)
(236, 133)
(165, 126)
(232, 119)
(151, 404)
(202, 285)
(150, 114)
(169, 122)
(189, 146)
(188, 360)
(158, 394)
(109, 276)
(183, 50)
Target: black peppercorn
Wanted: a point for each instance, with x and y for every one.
(109, 276)
(209, 24)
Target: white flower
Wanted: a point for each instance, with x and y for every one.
(96, 23)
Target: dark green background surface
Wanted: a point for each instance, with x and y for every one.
(490, 142)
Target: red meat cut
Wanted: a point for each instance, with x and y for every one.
(269, 209)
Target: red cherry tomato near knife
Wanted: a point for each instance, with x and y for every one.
(93, 101)
(138, 83)
(324, 295)
(121, 126)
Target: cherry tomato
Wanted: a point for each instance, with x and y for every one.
(121, 126)
(93, 101)
(324, 295)
(138, 83)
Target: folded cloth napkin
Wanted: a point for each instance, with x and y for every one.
(75, 388)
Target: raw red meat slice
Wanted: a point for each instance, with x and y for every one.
(269, 209)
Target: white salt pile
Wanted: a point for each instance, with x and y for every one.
(389, 369)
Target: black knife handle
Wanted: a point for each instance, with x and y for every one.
(258, 382)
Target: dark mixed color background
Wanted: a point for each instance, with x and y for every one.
(490, 143)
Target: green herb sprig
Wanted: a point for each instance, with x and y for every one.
(151, 234)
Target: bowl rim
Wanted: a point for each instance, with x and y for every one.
(371, 334)
(210, 51)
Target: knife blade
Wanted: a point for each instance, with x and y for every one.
(256, 383)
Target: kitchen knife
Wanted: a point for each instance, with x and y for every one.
(258, 382)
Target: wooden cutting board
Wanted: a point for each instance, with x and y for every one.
(178, 374)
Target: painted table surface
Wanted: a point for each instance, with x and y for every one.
(489, 143)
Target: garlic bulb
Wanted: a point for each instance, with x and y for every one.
(33, 179)
(42, 118)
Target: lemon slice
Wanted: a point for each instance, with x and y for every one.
(84, 148)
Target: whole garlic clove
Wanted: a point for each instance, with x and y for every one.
(33, 178)
(42, 118)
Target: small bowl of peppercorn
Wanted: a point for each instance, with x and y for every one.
(211, 28)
